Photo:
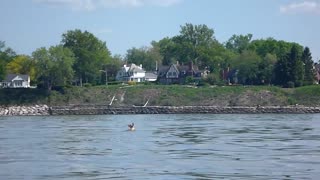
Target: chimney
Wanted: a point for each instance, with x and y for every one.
(141, 66)
(177, 63)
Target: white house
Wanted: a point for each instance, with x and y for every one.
(134, 73)
(16, 81)
(131, 73)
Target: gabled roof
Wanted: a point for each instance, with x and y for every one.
(10, 77)
(135, 68)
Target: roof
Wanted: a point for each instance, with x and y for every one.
(135, 68)
(10, 77)
(150, 75)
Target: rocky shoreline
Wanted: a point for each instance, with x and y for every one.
(35, 110)
(44, 110)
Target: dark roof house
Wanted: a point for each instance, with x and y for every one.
(177, 74)
(16, 81)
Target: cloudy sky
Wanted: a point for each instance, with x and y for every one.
(29, 24)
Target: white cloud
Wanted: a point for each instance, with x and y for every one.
(90, 5)
(312, 7)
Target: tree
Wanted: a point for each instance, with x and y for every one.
(310, 74)
(6, 55)
(112, 67)
(290, 69)
(54, 66)
(191, 42)
(296, 66)
(247, 64)
(146, 56)
(22, 64)
(266, 68)
(91, 54)
(239, 43)
(282, 71)
(167, 49)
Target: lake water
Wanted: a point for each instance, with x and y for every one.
(162, 147)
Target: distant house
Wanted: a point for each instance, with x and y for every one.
(177, 74)
(16, 81)
(317, 68)
(151, 77)
(134, 73)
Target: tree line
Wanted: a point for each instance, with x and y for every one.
(82, 58)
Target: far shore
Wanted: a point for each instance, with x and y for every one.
(44, 110)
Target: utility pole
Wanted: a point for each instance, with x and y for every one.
(105, 71)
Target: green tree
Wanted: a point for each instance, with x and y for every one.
(239, 43)
(22, 64)
(167, 49)
(266, 68)
(247, 64)
(309, 76)
(271, 46)
(290, 69)
(296, 66)
(54, 66)
(91, 54)
(282, 71)
(148, 57)
(192, 42)
(112, 67)
(6, 55)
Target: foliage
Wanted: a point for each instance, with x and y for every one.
(247, 63)
(22, 64)
(132, 83)
(54, 66)
(6, 55)
(239, 43)
(91, 54)
(310, 74)
(148, 57)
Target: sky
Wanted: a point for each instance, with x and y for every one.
(123, 24)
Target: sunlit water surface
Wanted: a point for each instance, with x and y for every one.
(162, 147)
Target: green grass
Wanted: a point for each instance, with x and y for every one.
(174, 95)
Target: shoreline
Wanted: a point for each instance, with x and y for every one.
(45, 110)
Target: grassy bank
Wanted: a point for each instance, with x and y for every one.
(160, 95)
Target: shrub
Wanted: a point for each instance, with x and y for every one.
(290, 84)
(298, 84)
(87, 85)
(131, 83)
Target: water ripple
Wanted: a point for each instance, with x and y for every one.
(162, 147)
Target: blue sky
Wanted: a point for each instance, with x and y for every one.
(29, 24)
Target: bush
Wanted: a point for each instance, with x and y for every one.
(87, 85)
(131, 83)
(298, 84)
(290, 84)
(202, 83)
(212, 79)
(189, 80)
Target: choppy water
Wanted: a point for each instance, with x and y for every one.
(162, 147)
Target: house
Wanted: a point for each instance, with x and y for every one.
(177, 74)
(151, 77)
(16, 81)
(134, 73)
